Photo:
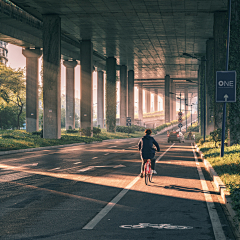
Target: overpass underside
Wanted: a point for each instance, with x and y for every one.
(159, 47)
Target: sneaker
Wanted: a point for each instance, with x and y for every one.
(141, 175)
(154, 171)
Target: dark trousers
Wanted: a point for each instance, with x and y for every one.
(153, 160)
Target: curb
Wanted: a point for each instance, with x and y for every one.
(225, 195)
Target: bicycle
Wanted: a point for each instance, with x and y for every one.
(148, 171)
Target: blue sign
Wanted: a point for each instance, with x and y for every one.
(180, 125)
(226, 86)
(128, 121)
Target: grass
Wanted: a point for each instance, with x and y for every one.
(20, 139)
(227, 168)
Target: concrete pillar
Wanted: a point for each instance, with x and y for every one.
(86, 85)
(148, 101)
(140, 104)
(32, 74)
(100, 99)
(51, 76)
(167, 98)
(111, 95)
(131, 95)
(123, 95)
(155, 100)
(220, 38)
(210, 86)
(201, 95)
(174, 111)
(70, 94)
(171, 96)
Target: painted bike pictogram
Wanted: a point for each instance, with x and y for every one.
(158, 226)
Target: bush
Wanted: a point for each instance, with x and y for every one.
(72, 131)
(194, 128)
(86, 131)
(216, 136)
(96, 131)
(125, 129)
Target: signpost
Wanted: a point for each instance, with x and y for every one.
(128, 123)
(180, 120)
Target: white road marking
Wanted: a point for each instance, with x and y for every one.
(115, 200)
(86, 169)
(106, 154)
(94, 157)
(107, 166)
(112, 146)
(158, 226)
(77, 162)
(216, 224)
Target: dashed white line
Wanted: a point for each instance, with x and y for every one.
(77, 162)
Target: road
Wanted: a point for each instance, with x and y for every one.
(94, 191)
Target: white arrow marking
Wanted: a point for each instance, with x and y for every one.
(226, 97)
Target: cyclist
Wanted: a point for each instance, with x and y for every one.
(147, 151)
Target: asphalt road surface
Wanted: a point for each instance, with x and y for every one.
(94, 191)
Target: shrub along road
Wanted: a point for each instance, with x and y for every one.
(94, 192)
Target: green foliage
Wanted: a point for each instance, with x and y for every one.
(12, 96)
(227, 168)
(96, 131)
(86, 131)
(216, 136)
(72, 131)
(194, 127)
(63, 114)
(125, 129)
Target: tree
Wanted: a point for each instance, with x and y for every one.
(12, 91)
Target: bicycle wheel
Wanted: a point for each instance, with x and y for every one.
(146, 178)
(150, 176)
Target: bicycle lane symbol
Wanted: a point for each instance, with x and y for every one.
(158, 226)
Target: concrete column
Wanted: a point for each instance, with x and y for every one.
(140, 104)
(167, 98)
(123, 95)
(155, 100)
(148, 101)
(86, 85)
(32, 74)
(201, 96)
(220, 38)
(210, 86)
(100, 99)
(171, 96)
(174, 111)
(70, 94)
(111, 95)
(131, 95)
(51, 76)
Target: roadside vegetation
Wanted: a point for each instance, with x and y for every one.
(227, 167)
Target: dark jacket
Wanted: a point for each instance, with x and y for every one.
(145, 146)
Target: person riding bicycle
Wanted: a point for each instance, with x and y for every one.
(147, 151)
